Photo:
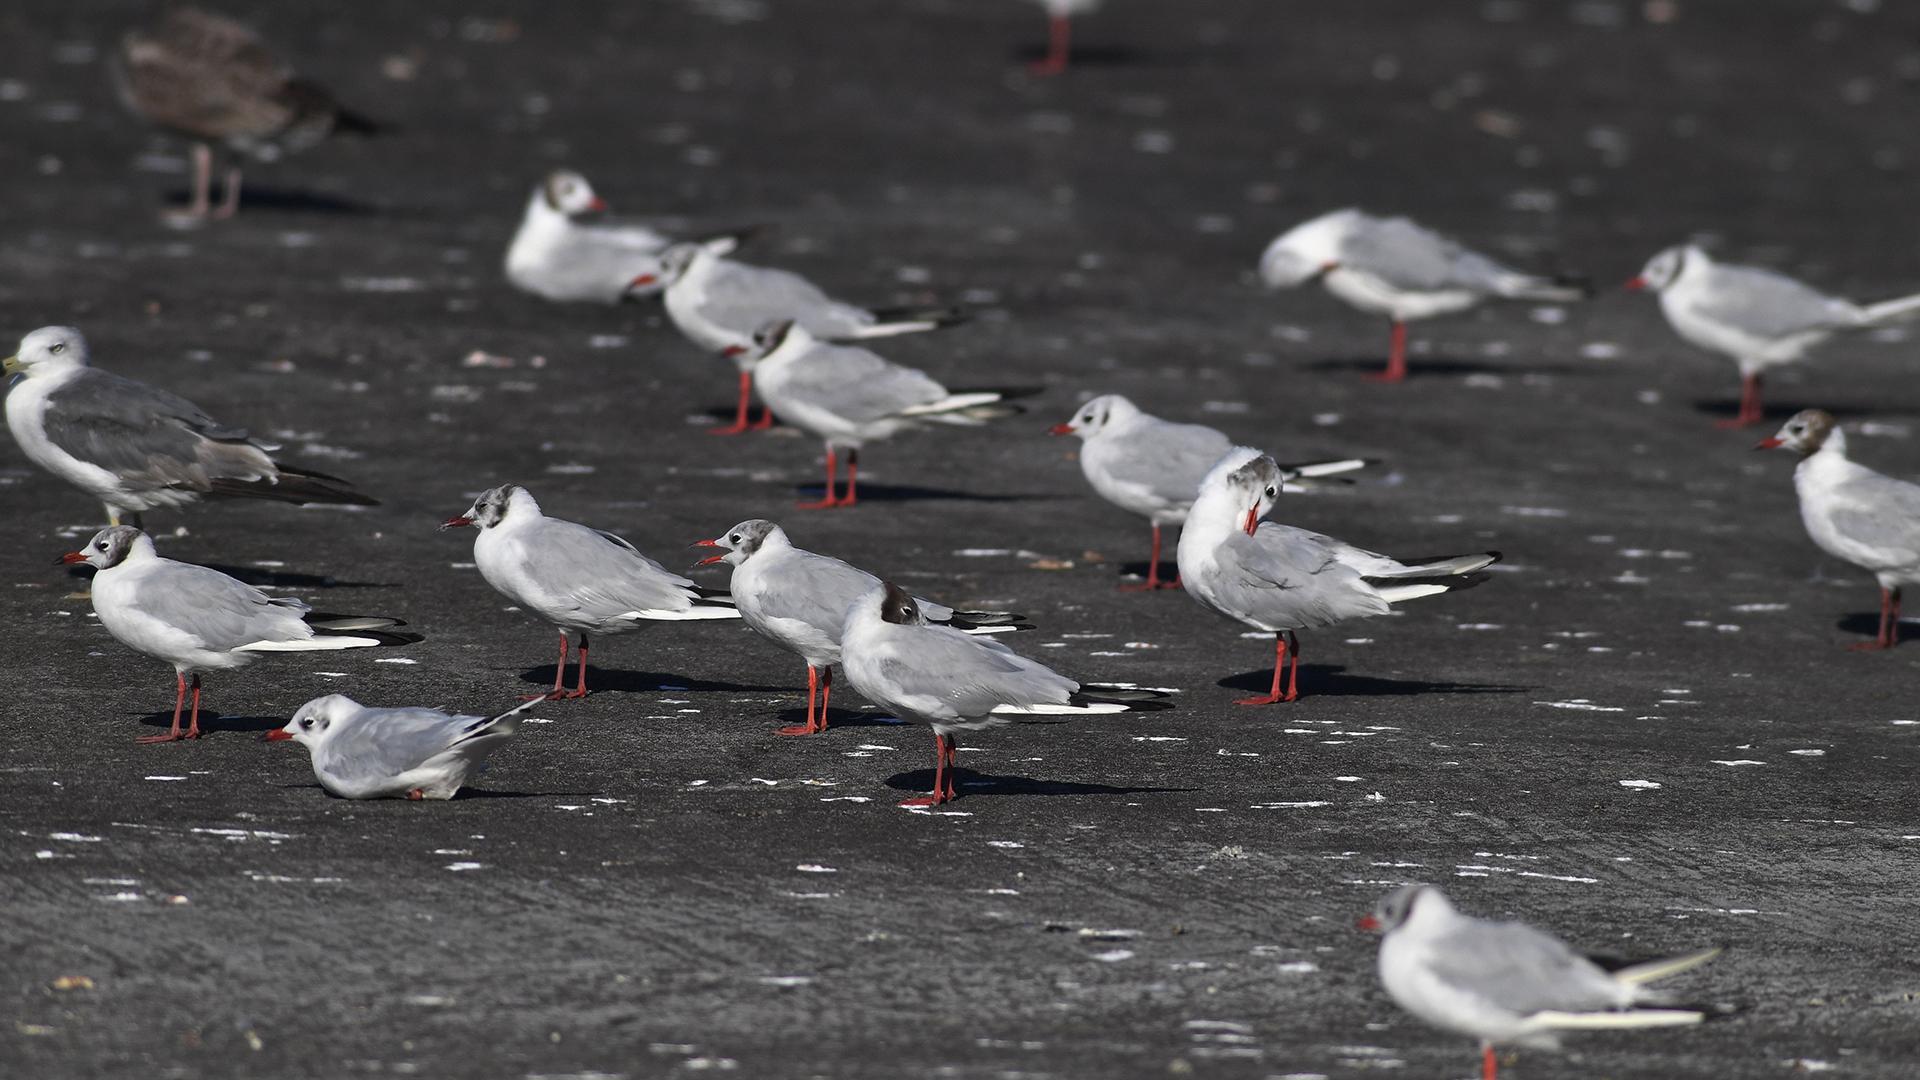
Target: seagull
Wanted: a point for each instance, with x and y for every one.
(1279, 578)
(847, 396)
(718, 303)
(1153, 467)
(138, 448)
(1853, 513)
(954, 681)
(1060, 33)
(798, 600)
(197, 618)
(211, 79)
(576, 578)
(1760, 318)
(1506, 982)
(1397, 268)
(561, 253)
(367, 753)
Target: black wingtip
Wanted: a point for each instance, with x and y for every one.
(1007, 393)
(940, 317)
(1135, 698)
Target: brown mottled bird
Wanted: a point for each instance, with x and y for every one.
(211, 79)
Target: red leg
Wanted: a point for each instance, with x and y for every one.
(1279, 662)
(1153, 567)
(416, 795)
(1396, 357)
(853, 478)
(202, 182)
(943, 754)
(827, 501)
(1889, 625)
(826, 694)
(1059, 46)
(559, 673)
(813, 691)
(179, 699)
(765, 421)
(1893, 622)
(1489, 1065)
(740, 414)
(1293, 667)
(580, 677)
(1750, 411)
(229, 196)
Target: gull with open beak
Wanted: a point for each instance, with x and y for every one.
(718, 303)
(579, 579)
(1854, 513)
(1281, 579)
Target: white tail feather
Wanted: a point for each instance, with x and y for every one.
(1665, 967)
(327, 643)
(893, 329)
(981, 630)
(1905, 307)
(1090, 709)
(1452, 564)
(689, 615)
(1394, 594)
(1597, 1021)
(1327, 468)
(952, 403)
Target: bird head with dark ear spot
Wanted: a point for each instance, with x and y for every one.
(771, 335)
(569, 193)
(898, 608)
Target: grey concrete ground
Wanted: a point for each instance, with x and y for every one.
(1643, 733)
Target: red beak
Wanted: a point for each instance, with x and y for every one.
(460, 522)
(1764, 444)
(1366, 922)
(1253, 519)
(1060, 429)
(1635, 284)
(278, 734)
(710, 558)
(70, 558)
(643, 279)
(733, 350)
(598, 204)
(1325, 267)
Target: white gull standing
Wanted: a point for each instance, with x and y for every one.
(1854, 513)
(578, 579)
(1506, 982)
(1759, 318)
(1153, 467)
(798, 600)
(719, 303)
(953, 681)
(1397, 268)
(199, 619)
(1278, 578)
(360, 752)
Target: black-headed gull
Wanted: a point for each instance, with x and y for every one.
(1759, 318)
(563, 252)
(798, 600)
(1060, 15)
(135, 447)
(1854, 513)
(361, 752)
(719, 303)
(1279, 578)
(1397, 268)
(210, 79)
(577, 578)
(1153, 467)
(1508, 983)
(847, 396)
(953, 681)
(199, 619)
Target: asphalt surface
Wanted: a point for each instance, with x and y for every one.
(1644, 733)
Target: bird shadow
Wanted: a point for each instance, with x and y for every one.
(615, 680)
(968, 782)
(842, 718)
(214, 723)
(871, 492)
(1867, 625)
(462, 795)
(261, 577)
(269, 198)
(1773, 413)
(1331, 680)
(1437, 367)
(1169, 572)
(1104, 56)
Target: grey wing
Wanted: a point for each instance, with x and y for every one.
(972, 676)
(855, 384)
(1170, 459)
(382, 743)
(1767, 304)
(1521, 969)
(1412, 256)
(222, 612)
(1882, 513)
(1293, 576)
(816, 590)
(145, 434)
(600, 574)
(743, 298)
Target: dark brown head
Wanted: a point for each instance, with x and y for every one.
(898, 608)
(1804, 432)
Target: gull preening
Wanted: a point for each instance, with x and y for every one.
(1153, 467)
(138, 448)
(199, 619)
(719, 304)
(953, 681)
(361, 752)
(579, 579)
(798, 600)
(1507, 982)
(1400, 269)
(1281, 579)
(1060, 15)
(563, 252)
(1759, 318)
(846, 396)
(211, 79)
(1854, 513)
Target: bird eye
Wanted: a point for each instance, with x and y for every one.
(307, 723)
(734, 539)
(101, 546)
(1271, 493)
(58, 347)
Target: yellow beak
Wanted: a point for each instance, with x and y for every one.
(12, 365)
